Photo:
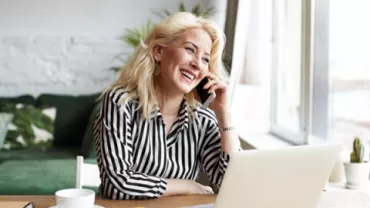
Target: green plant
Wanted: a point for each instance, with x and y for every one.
(357, 155)
(133, 37)
(196, 10)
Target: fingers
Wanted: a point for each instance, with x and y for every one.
(218, 85)
(208, 190)
(214, 82)
(210, 83)
(212, 76)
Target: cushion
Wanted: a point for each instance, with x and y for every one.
(72, 116)
(26, 99)
(30, 128)
(35, 177)
(5, 119)
(88, 145)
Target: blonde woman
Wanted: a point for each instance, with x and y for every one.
(152, 136)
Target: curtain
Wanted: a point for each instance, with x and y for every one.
(236, 30)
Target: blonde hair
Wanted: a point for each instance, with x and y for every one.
(138, 75)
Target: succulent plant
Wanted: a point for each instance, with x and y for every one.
(357, 156)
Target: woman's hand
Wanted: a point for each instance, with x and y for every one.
(219, 104)
(197, 188)
(180, 187)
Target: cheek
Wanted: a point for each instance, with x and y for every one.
(204, 72)
(202, 75)
(182, 57)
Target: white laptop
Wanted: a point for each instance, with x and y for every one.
(284, 178)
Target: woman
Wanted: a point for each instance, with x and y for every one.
(152, 136)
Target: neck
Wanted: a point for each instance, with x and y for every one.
(169, 102)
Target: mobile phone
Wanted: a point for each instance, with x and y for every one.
(205, 97)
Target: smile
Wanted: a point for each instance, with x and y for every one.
(188, 75)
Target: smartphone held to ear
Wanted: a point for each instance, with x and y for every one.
(205, 97)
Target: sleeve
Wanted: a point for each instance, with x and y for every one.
(213, 159)
(117, 157)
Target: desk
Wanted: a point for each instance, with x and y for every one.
(172, 201)
(335, 193)
(341, 187)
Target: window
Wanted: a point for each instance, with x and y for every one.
(288, 71)
(315, 82)
(321, 71)
(349, 71)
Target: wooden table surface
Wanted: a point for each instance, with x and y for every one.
(171, 201)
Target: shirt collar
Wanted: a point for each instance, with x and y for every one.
(183, 114)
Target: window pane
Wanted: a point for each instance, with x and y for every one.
(288, 65)
(349, 70)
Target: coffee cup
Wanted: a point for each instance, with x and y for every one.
(71, 198)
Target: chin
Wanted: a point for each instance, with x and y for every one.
(185, 90)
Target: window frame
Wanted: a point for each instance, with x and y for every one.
(314, 96)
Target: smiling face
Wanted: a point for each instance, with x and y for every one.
(184, 62)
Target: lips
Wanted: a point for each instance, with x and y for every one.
(190, 75)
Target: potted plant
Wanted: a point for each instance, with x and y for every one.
(357, 170)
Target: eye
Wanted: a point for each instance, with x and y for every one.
(190, 49)
(206, 60)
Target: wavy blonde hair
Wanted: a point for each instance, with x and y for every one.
(138, 75)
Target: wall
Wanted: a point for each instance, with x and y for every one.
(67, 47)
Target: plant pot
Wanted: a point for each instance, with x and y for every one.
(357, 174)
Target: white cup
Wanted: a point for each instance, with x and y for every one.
(73, 198)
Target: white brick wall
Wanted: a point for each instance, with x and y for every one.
(73, 65)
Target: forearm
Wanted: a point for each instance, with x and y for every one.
(229, 139)
(182, 187)
(177, 187)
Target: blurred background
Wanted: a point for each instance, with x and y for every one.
(299, 74)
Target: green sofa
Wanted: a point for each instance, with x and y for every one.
(35, 172)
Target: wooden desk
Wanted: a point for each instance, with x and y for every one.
(172, 201)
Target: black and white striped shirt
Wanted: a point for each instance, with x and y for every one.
(135, 157)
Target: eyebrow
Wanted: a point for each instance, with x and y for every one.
(195, 46)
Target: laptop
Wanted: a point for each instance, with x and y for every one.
(292, 177)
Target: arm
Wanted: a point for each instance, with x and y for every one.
(214, 155)
(229, 139)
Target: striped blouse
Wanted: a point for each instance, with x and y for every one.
(136, 158)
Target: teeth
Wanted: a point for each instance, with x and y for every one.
(188, 75)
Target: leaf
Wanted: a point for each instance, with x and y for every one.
(159, 14)
(166, 12)
(116, 68)
(133, 37)
(182, 7)
(207, 12)
(196, 10)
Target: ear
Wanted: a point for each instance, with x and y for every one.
(157, 52)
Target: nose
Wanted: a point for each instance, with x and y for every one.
(195, 63)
